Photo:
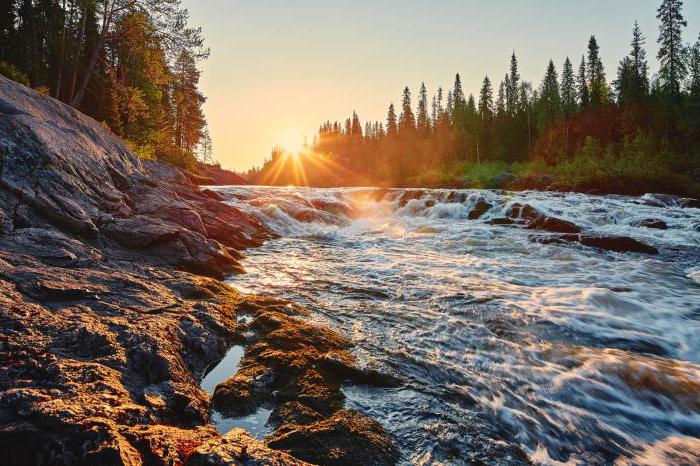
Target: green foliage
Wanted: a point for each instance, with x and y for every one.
(10, 71)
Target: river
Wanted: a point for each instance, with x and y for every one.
(508, 350)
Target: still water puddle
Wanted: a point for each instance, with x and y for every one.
(254, 423)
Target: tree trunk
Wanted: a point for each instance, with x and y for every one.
(87, 75)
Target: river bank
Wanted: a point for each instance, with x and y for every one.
(113, 311)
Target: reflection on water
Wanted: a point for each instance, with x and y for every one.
(509, 350)
(254, 423)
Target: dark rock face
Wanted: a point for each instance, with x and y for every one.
(102, 339)
(480, 208)
(608, 243)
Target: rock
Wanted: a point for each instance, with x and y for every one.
(480, 208)
(501, 221)
(214, 175)
(346, 438)
(536, 220)
(651, 223)
(237, 447)
(102, 340)
(553, 224)
(502, 180)
(608, 243)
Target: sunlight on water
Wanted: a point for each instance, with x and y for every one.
(509, 350)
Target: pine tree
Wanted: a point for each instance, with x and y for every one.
(189, 118)
(356, 126)
(391, 125)
(422, 121)
(694, 70)
(568, 89)
(513, 86)
(486, 99)
(501, 98)
(549, 105)
(584, 96)
(458, 93)
(407, 120)
(596, 74)
(632, 84)
(486, 112)
(673, 68)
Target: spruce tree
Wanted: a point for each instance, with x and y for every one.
(407, 121)
(7, 28)
(501, 98)
(673, 67)
(568, 89)
(549, 105)
(486, 99)
(694, 70)
(513, 86)
(639, 59)
(596, 74)
(584, 97)
(422, 121)
(391, 124)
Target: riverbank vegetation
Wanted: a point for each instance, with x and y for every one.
(575, 130)
(131, 64)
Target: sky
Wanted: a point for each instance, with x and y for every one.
(279, 68)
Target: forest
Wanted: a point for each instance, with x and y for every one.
(130, 64)
(576, 130)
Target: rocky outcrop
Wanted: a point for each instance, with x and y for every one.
(105, 333)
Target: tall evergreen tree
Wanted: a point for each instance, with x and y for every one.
(568, 89)
(486, 114)
(513, 86)
(407, 121)
(392, 128)
(422, 120)
(596, 74)
(584, 96)
(549, 104)
(694, 69)
(673, 67)
(632, 82)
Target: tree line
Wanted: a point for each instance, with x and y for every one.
(131, 64)
(574, 112)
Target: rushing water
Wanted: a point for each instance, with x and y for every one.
(508, 350)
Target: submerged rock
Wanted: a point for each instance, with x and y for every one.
(608, 243)
(651, 223)
(535, 220)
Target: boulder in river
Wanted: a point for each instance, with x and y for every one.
(651, 223)
(608, 243)
(534, 219)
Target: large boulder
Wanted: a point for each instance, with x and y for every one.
(60, 168)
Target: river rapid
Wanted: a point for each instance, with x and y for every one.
(509, 351)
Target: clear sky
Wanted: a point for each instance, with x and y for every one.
(278, 68)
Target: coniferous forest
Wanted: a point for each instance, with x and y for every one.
(576, 129)
(131, 64)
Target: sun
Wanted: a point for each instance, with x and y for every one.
(292, 141)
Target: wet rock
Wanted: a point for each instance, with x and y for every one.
(651, 223)
(608, 243)
(480, 208)
(533, 219)
(501, 221)
(410, 195)
(237, 447)
(553, 224)
(346, 438)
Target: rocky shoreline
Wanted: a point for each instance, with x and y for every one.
(112, 312)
